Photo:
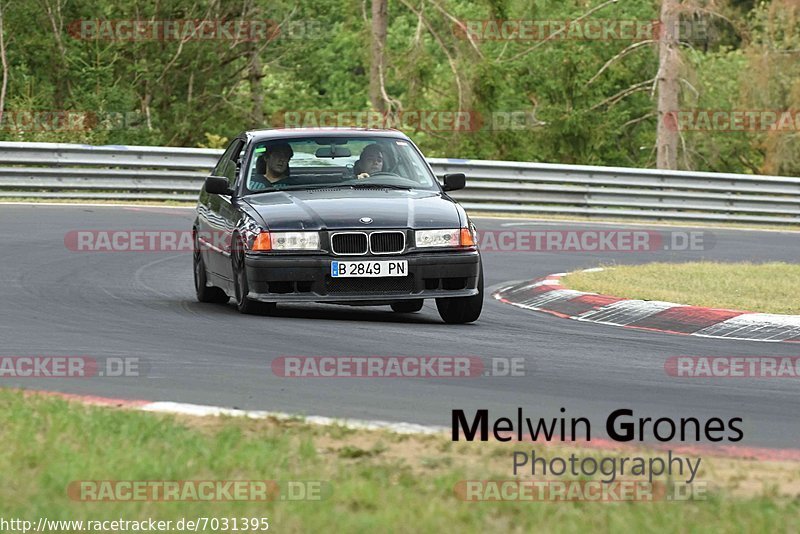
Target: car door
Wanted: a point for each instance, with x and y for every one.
(221, 213)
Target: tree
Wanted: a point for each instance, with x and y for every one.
(667, 136)
(4, 62)
(377, 69)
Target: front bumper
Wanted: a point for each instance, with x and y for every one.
(306, 278)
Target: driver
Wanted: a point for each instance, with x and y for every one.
(370, 161)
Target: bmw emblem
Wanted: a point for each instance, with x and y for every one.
(365, 220)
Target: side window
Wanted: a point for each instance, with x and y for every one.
(226, 167)
(225, 157)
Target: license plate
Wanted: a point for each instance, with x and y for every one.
(341, 269)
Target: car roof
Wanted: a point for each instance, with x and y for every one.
(293, 133)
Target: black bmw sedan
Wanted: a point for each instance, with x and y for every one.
(340, 216)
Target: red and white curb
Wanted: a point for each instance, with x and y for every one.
(199, 410)
(549, 296)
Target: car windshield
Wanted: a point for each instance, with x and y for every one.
(337, 161)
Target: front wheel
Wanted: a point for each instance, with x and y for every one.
(245, 304)
(205, 293)
(460, 310)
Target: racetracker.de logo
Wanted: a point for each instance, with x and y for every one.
(174, 30)
(562, 30)
(197, 490)
(526, 490)
(427, 120)
(395, 367)
(610, 240)
(741, 120)
(69, 121)
(733, 366)
(70, 367)
(583, 29)
(145, 240)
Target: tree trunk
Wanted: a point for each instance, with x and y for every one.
(667, 137)
(254, 76)
(377, 68)
(63, 83)
(5, 65)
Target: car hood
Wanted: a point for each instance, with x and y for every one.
(342, 208)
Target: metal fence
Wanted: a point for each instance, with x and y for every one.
(64, 171)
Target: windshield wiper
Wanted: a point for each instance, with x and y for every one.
(310, 186)
(381, 186)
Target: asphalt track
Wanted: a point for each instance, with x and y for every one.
(60, 302)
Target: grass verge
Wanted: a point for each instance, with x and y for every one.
(378, 481)
(755, 287)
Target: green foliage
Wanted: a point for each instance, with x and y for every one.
(214, 141)
(199, 92)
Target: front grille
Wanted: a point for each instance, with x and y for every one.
(403, 284)
(349, 243)
(387, 242)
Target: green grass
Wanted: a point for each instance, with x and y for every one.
(397, 484)
(764, 287)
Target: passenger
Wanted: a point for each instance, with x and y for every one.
(272, 167)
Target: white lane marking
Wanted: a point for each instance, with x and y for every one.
(756, 326)
(625, 312)
(549, 297)
(199, 410)
(522, 286)
(540, 283)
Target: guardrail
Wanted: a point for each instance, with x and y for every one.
(64, 171)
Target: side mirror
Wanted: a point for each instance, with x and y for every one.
(453, 182)
(217, 185)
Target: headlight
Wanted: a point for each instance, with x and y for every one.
(287, 241)
(438, 238)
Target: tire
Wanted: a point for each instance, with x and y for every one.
(244, 304)
(205, 293)
(408, 306)
(460, 310)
